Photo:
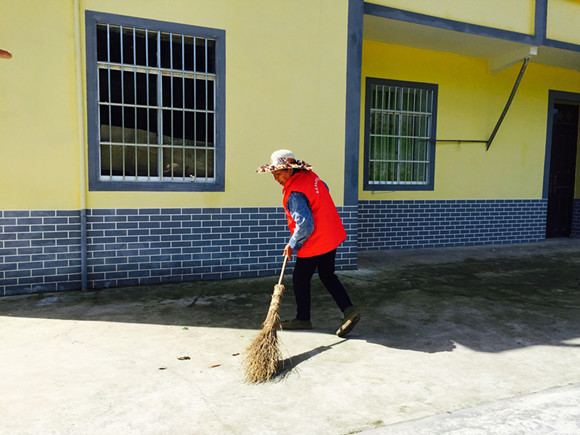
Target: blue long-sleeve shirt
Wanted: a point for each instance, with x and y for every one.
(299, 208)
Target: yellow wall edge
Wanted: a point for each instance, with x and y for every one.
(563, 22)
(515, 16)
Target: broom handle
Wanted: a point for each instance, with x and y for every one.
(283, 269)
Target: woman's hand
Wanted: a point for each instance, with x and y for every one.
(288, 251)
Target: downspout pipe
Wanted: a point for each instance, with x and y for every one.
(81, 144)
(509, 102)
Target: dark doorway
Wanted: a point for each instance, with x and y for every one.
(562, 170)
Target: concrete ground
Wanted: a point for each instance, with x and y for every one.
(471, 340)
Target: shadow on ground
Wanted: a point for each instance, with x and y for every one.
(489, 299)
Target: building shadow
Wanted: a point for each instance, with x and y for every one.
(488, 305)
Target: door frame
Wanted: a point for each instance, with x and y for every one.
(553, 98)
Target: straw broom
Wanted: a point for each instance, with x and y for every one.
(263, 355)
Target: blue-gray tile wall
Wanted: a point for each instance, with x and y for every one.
(400, 224)
(576, 218)
(147, 246)
(40, 251)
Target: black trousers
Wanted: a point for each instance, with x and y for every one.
(303, 271)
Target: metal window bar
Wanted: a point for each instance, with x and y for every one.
(195, 107)
(411, 173)
(147, 101)
(429, 133)
(383, 168)
(391, 145)
(135, 102)
(183, 105)
(398, 102)
(206, 113)
(405, 174)
(122, 102)
(172, 167)
(109, 100)
(408, 147)
(160, 126)
(385, 123)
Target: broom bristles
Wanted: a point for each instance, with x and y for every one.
(263, 355)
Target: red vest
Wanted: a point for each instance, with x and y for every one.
(328, 230)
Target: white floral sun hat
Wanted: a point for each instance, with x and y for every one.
(283, 159)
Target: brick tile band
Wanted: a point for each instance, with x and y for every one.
(40, 250)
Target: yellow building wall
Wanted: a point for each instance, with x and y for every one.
(516, 15)
(285, 88)
(470, 101)
(38, 125)
(564, 21)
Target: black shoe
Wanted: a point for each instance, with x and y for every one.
(295, 324)
(351, 318)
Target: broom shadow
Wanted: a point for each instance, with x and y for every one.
(287, 365)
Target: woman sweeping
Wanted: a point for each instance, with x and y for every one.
(316, 233)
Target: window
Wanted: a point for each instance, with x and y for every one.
(155, 103)
(399, 135)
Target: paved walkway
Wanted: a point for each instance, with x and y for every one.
(464, 340)
(556, 411)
